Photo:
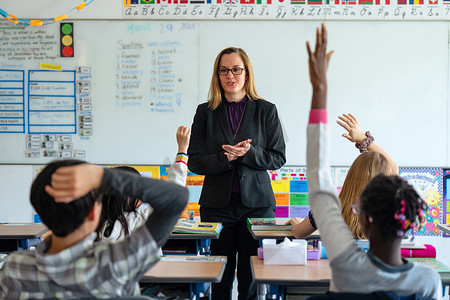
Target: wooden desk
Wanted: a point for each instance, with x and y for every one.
(22, 230)
(203, 241)
(193, 236)
(187, 269)
(316, 273)
(279, 235)
(18, 236)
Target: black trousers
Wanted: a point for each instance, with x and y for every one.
(235, 238)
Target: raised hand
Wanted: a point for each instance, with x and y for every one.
(319, 59)
(183, 136)
(349, 123)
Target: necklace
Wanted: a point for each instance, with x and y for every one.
(240, 121)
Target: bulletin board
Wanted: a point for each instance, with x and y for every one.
(130, 84)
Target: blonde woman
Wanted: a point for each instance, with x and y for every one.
(236, 137)
(372, 161)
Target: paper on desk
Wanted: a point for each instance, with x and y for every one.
(193, 258)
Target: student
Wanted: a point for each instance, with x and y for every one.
(372, 161)
(388, 207)
(69, 264)
(121, 215)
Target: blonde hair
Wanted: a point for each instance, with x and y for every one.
(216, 90)
(365, 167)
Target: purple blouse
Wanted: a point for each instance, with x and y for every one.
(235, 113)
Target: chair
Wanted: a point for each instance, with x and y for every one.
(369, 296)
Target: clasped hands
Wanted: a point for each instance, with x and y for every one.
(238, 150)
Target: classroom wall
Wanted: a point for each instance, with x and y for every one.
(396, 83)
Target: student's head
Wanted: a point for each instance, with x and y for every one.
(391, 205)
(114, 209)
(129, 204)
(365, 167)
(61, 218)
(244, 82)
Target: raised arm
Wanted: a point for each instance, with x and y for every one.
(178, 170)
(322, 194)
(356, 135)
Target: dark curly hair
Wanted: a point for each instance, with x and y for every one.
(393, 204)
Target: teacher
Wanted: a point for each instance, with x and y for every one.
(236, 137)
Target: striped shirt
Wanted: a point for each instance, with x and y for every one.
(100, 269)
(104, 269)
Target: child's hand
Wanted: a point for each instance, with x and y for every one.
(294, 221)
(183, 136)
(319, 59)
(349, 123)
(71, 183)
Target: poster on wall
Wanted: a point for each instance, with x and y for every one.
(446, 199)
(194, 184)
(428, 184)
(290, 187)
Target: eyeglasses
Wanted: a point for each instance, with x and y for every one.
(234, 71)
(355, 208)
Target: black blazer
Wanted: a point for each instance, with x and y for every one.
(212, 129)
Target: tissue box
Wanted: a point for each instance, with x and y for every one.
(286, 253)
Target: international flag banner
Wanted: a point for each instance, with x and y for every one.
(433, 2)
(261, 2)
(247, 1)
(180, 1)
(163, 1)
(388, 2)
(416, 2)
(336, 2)
(298, 2)
(134, 1)
(446, 1)
(197, 1)
(402, 2)
(315, 2)
(146, 2)
(365, 2)
(348, 2)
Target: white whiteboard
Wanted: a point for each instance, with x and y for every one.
(391, 75)
(142, 86)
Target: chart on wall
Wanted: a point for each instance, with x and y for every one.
(107, 92)
(288, 10)
(194, 184)
(428, 184)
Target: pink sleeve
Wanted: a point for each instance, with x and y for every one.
(318, 116)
